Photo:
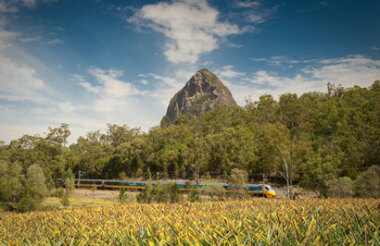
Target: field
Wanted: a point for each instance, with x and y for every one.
(256, 221)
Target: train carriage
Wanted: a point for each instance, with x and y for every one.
(252, 189)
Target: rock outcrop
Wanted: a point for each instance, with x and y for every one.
(203, 92)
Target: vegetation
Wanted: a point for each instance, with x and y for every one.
(123, 196)
(312, 140)
(256, 222)
(160, 193)
(203, 99)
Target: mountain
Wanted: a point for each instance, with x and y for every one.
(203, 92)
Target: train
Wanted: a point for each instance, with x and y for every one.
(252, 189)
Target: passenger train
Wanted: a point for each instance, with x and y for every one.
(252, 189)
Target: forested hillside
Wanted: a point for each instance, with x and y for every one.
(311, 140)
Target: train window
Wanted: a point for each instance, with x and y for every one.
(267, 188)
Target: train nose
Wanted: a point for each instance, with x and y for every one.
(272, 194)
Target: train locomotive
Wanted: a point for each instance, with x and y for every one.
(253, 189)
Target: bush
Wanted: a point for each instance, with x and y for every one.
(214, 191)
(30, 199)
(146, 196)
(174, 192)
(368, 183)
(194, 194)
(160, 193)
(65, 200)
(237, 182)
(59, 192)
(35, 180)
(342, 187)
(69, 186)
(122, 195)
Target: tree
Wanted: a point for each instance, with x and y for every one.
(10, 185)
(315, 174)
(368, 183)
(341, 187)
(35, 180)
(69, 186)
(288, 150)
(59, 135)
(237, 183)
(33, 191)
(121, 134)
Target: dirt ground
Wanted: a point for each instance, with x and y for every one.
(299, 192)
(98, 194)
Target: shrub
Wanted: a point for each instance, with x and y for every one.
(368, 183)
(30, 199)
(342, 187)
(65, 200)
(59, 192)
(194, 194)
(237, 182)
(146, 195)
(160, 193)
(214, 191)
(69, 185)
(174, 192)
(122, 195)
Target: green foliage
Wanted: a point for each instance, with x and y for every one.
(306, 139)
(65, 200)
(237, 182)
(28, 203)
(160, 193)
(174, 193)
(368, 183)
(69, 186)
(202, 99)
(123, 196)
(315, 174)
(59, 192)
(194, 195)
(341, 187)
(214, 191)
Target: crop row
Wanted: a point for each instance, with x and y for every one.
(258, 221)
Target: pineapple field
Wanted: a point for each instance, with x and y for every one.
(251, 222)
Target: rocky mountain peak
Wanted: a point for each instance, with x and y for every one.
(203, 92)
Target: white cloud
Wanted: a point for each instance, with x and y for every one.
(228, 72)
(18, 81)
(88, 86)
(190, 26)
(30, 39)
(144, 81)
(375, 48)
(55, 41)
(12, 6)
(233, 45)
(6, 36)
(347, 71)
(279, 61)
(113, 93)
(247, 4)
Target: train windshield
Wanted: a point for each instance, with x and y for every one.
(268, 188)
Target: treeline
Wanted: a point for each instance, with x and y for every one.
(313, 140)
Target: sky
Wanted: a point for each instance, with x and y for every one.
(92, 62)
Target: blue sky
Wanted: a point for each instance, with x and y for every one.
(93, 62)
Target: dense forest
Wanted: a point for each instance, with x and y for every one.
(311, 140)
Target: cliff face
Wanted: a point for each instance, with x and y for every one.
(203, 92)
